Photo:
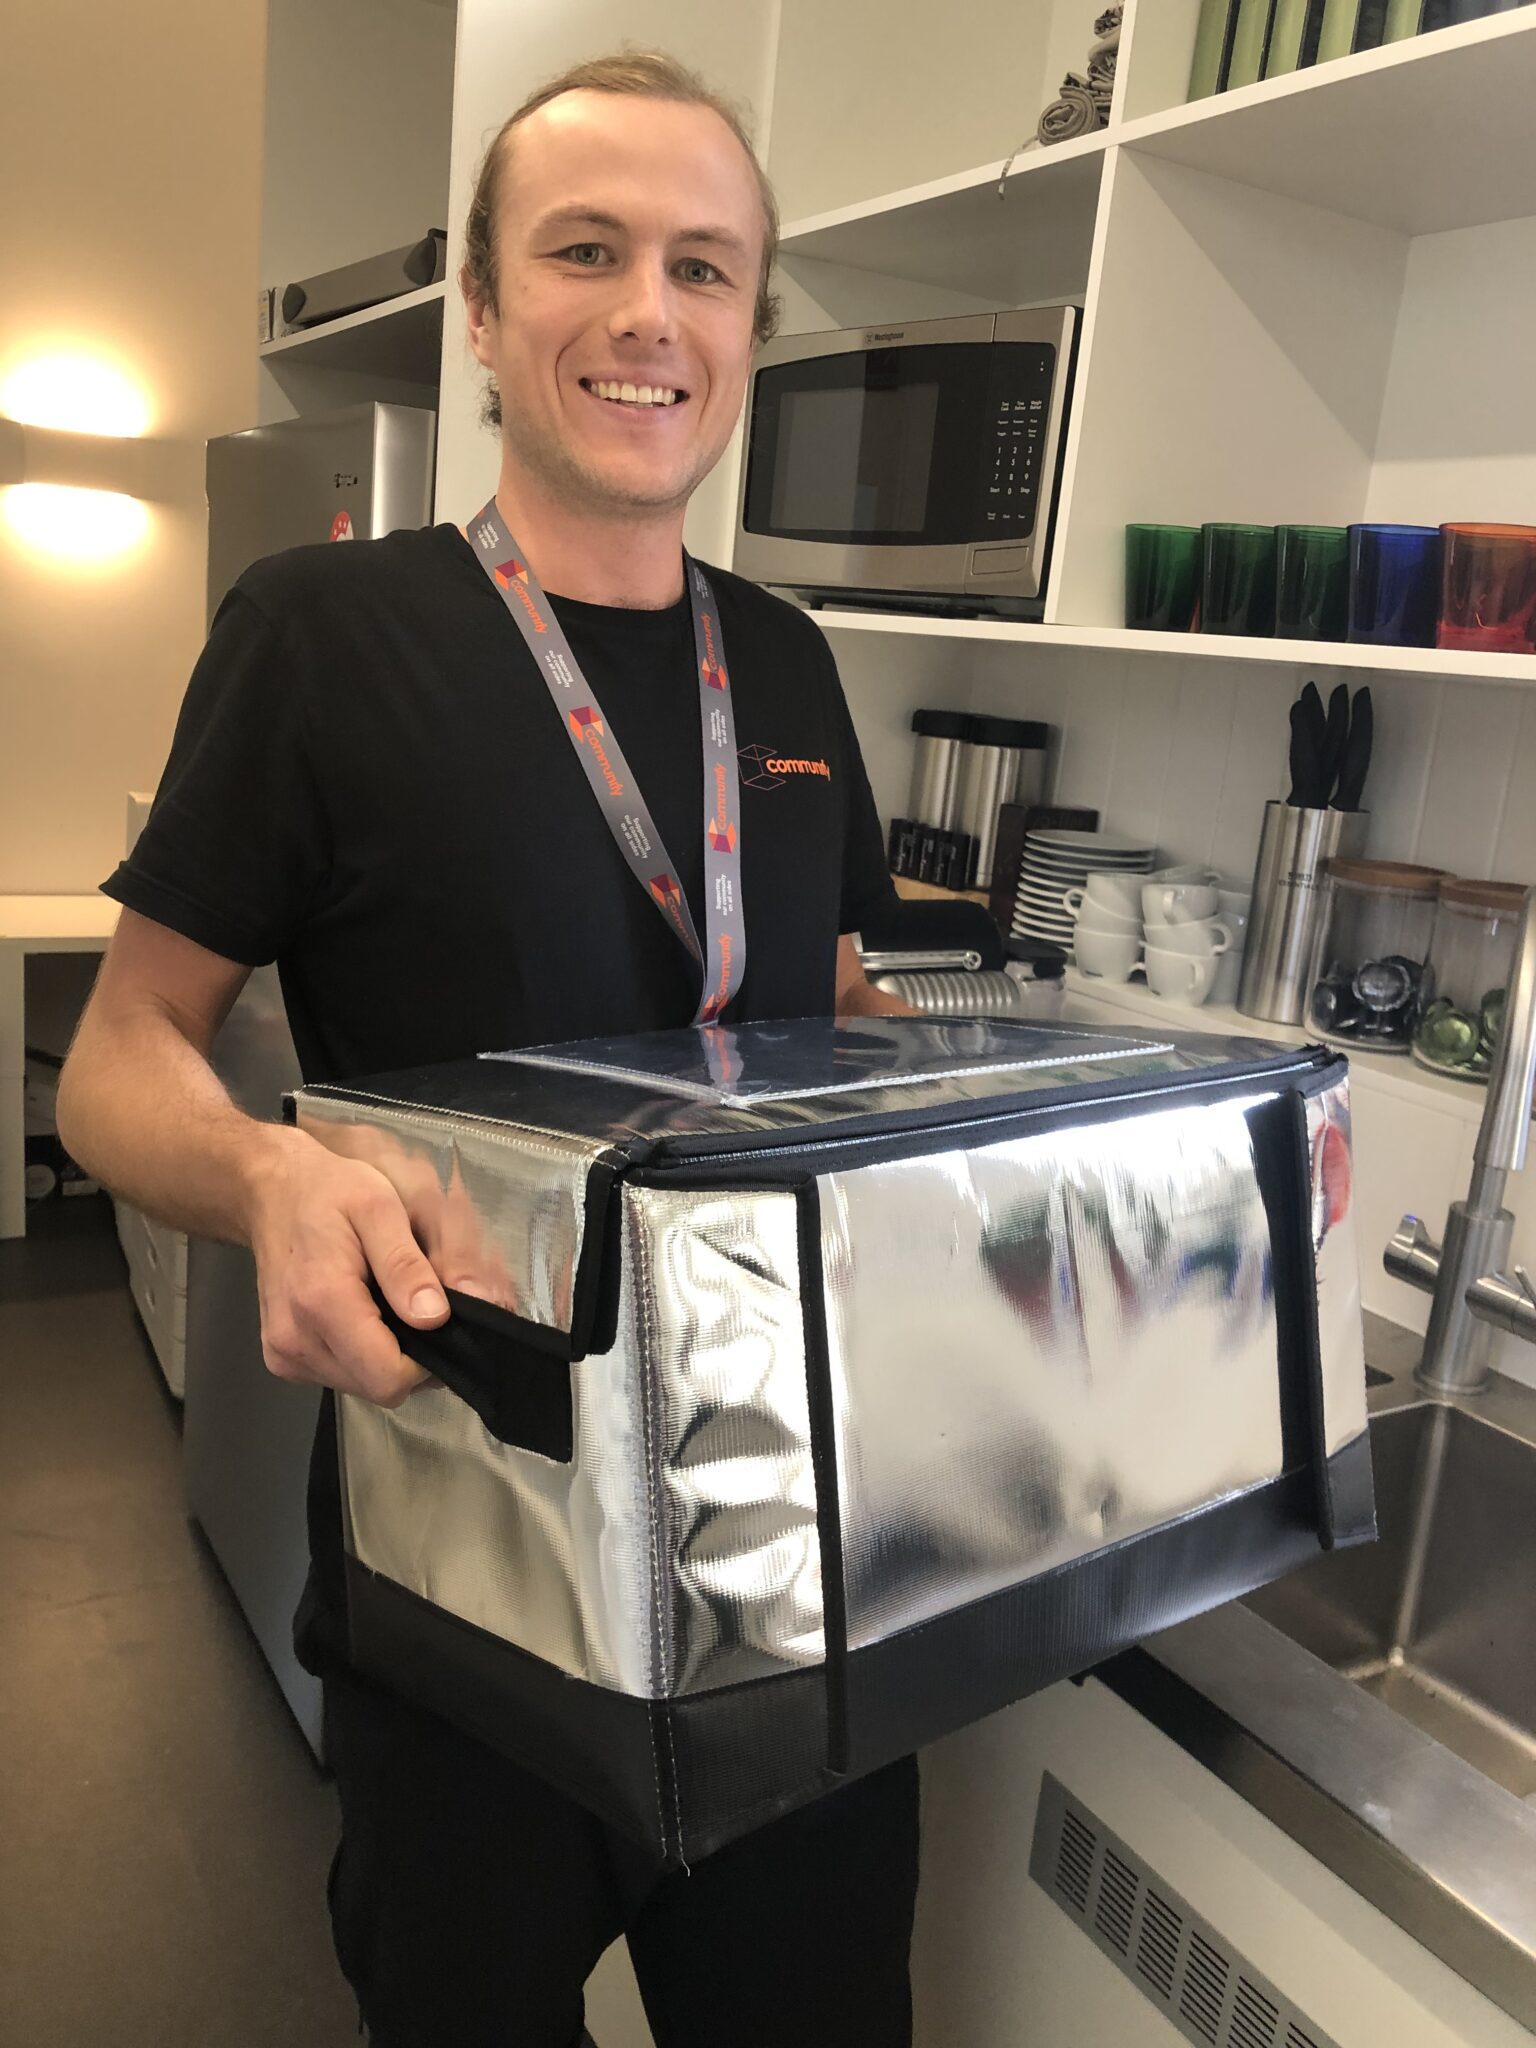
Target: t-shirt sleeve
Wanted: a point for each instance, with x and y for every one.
(867, 885)
(236, 845)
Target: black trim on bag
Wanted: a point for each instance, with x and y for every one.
(519, 1388)
(756, 1750)
(915, 1134)
(829, 1521)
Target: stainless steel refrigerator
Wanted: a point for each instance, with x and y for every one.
(356, 474)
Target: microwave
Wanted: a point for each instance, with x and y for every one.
(915, 466)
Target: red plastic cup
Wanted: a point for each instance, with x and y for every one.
(1488, 589)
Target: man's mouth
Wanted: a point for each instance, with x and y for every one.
(635, 397)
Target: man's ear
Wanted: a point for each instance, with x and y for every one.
(479, 318)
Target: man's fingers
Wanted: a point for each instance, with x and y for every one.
(359, 1354)
(402, 1269)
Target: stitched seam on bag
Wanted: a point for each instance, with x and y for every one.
(534, 1137)
(659, 1673)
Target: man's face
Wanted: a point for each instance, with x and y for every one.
(659, 289)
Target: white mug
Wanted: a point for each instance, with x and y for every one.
(1120, 894)
(1094, 917)
(1164, 903)
(1202, 940)
(1229, 972)
(1205, 877)
(1178, 976)
(1106, 953)
(1234, 908)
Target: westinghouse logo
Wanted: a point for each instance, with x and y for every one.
(763, 768)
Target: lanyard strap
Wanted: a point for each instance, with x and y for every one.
(723, 959)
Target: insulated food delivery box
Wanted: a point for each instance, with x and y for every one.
(813, 1389)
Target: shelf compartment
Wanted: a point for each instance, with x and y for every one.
(956, 234)
(402, 338)
(1399, 136)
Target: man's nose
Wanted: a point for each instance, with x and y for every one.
(645, 304)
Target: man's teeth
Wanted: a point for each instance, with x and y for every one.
(635, 394)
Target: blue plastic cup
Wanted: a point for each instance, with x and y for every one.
(1394, 585)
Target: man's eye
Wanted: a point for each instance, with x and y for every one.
(578, 249)
(698, 263)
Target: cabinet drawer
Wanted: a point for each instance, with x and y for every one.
(152, 1248)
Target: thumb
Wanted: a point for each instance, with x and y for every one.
(404, 1274)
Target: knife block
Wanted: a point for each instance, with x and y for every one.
(1295, 847)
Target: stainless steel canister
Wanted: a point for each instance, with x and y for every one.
(936, 769)
(1004, 763)
(1289, 902)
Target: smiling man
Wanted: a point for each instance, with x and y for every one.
(454, 783)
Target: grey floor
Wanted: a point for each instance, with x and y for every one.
(164, 1830)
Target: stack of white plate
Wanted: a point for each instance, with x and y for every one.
(1055, 861)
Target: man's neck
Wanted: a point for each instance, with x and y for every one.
(632, 562)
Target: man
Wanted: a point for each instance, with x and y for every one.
(370, 784)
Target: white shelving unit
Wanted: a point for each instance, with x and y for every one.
(403, 338)
(1511, 670)
(360, 100)
(1251, 306)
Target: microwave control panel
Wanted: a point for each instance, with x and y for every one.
(1021, 407)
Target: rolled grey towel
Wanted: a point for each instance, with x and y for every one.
(1110, 19)
(1101, 68)
(1075, 113)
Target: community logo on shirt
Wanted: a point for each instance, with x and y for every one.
(767, 768)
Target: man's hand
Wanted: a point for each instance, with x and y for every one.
(318, 1225)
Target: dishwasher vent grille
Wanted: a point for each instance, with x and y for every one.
(1175, 1958)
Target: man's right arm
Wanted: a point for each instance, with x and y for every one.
(142, 1110)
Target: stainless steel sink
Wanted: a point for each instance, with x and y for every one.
(1379, 1705)
(1438, 1618)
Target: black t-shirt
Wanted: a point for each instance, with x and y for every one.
(370, 785)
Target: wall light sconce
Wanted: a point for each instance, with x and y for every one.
(86, 497)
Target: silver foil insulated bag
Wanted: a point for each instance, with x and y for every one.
(814, 1389)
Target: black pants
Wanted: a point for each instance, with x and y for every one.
(470, 1902)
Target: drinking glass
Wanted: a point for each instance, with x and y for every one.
(1162, 577)
(1394, 585)
(1311, 582)
(1488, 589)
(1237, 583)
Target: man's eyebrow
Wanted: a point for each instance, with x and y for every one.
(590, 216)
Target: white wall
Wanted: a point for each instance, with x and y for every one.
(130, 163)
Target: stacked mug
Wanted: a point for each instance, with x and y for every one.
(1181, 930)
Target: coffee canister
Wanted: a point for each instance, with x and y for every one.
(922, 842)
(1289, 902)
(1004, 763)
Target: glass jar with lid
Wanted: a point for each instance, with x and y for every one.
(1471, 953)
(1368, 965)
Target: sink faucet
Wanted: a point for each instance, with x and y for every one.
(1473, 1292)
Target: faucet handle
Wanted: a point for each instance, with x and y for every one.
(1413, 1255)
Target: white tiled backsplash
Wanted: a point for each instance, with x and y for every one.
(1188, 752)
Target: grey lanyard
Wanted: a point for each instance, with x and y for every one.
(723, 959)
